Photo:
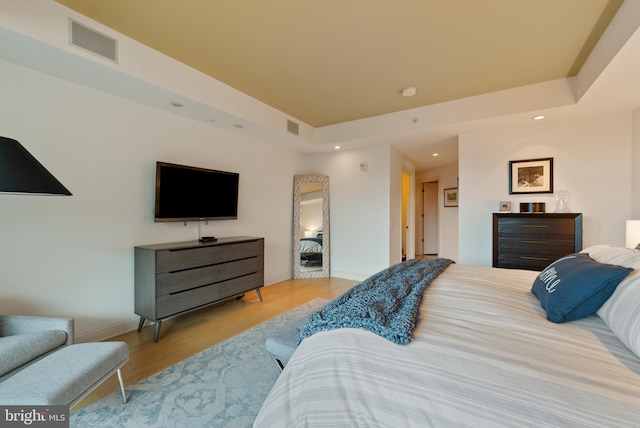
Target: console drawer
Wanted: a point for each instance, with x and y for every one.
(174, 260)
(536, 226)
(172, 304)
(237, 251)
(241, 284)
(241, 267)
(173, 282)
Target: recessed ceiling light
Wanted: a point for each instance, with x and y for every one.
(435, 154)
(336, 147)
(177, 104)
(409, 91)
(539, 117)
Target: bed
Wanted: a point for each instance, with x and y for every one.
(483, 354)
(311, 251)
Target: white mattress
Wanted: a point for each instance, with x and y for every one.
(483, 355)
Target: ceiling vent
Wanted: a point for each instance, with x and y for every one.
(292, 127)
(90, 40)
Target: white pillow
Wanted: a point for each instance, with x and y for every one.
(621, 312)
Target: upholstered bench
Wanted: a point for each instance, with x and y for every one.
(284, 342)
(66, 376)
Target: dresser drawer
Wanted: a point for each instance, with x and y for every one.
(241, 267)
(239, 251)
(174, 282)
(552, 244)
(536, 226)
(529, 262)
(175, 260)
(172, 304)
(241, 284)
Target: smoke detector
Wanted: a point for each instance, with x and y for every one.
(409, 91)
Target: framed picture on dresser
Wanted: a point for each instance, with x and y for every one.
(505, 207)
(531, 176)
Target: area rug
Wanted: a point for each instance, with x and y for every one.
(223, 386)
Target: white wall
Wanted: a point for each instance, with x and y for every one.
(635, 169)
(73, 256)
(591, 161)
(447, 177)
(395, 207)
(359, 209)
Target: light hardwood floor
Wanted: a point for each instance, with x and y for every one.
(188, 334)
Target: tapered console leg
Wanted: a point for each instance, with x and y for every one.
(141, 324)
(156, 331)
(259, 294)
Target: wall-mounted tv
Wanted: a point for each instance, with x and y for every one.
(187, 193)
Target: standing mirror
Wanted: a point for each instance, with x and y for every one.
(311, 226)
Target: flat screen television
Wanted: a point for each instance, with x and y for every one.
(187, 193)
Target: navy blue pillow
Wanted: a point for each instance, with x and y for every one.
(576, 286)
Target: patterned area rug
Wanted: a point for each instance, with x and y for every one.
(223, 386)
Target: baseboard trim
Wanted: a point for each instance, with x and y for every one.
(348, 275)
(108, 331)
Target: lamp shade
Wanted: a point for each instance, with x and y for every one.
(632, 238)
(20, 172)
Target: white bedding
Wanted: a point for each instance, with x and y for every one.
(483, 355)
(310, 247)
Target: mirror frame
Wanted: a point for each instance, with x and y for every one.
(326, 236)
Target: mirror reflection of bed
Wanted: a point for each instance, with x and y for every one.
(310, 226)
(311, 230)
(311, 252)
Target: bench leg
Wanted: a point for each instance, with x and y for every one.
(279, 363)
(124, 397)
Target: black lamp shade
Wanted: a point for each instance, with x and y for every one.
(22, 173)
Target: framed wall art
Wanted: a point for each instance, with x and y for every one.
(451, 197)
(505, 207)
(531, 176)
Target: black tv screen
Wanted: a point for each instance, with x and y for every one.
(186, 193)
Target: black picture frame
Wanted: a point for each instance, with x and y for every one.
(451, 197)
(531, 176)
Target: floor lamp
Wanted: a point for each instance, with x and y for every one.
(20, 172)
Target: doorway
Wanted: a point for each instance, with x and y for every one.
(430, 226)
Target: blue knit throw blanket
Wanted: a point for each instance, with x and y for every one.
(387, 303)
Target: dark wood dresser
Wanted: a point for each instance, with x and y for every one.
(533, 241)
(175, 278)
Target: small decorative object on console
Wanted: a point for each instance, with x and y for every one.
(505, 207)
(532, 207)
(561, 201)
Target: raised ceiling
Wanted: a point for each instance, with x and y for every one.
(333, 61)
